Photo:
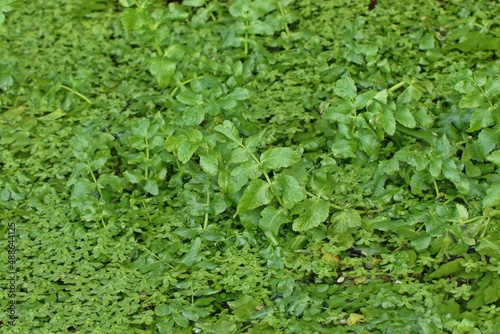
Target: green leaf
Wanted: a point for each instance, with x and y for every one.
(229, 130)
(487, 140)
(388, 121)
(112, 180)
(492, 198)
(346, 220)
(163, 310)
(151, 187)
(193, 3)
(240, 94)
(83, 188)
(275, 158)
(209, 162)
(426, 42)
(316, 212)
(472, 100)
(271, 221)
(490, 246)
(127, 3)
(131, 20)
(450, 171)
(190, 98)
(480, 118)
(344, 148)
(494, 158)
(163, 70)
(58, 113)
(410, 94)
(245, 306)
(363, 99)
(345, 88)
(446, 269)
(405, 117)
(193, 253)
(293, 192)
(247, 170)
(132, 177)
(256, 194)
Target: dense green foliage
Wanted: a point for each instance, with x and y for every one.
(265, 166)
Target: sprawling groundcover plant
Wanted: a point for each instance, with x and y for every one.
(263, 166)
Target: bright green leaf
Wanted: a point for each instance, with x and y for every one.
(275, 158)
(316, 212)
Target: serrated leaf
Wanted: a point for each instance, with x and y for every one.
(492, 198)
(190, 98)
(381, 96)
(405, 117)
(131, 20)
(410, 94)
(490, 246)
(345, 88)
(316, 212)
(443, 147)
(344, 148)
(293, 192)
(472, 100)
(494, 158)
(82, 188)
(363, 99)
(79, 169)
(487, 140)
(58, 113)
(421, 243)
(229, 130)
(480, 118)
(192, 115)
(280, 157)
(247, 170)
(193, 253)
(450, 171)
(112, 180)
(240, 94)
(426, 42)
(163, 70)
(132, 177)
(345, 220)
(388, 121)
(258, 193)
(446, 269)
(217, 205)
(272, 219)
(209, 162)
(151, 187)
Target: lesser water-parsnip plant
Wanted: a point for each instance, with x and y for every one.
(263, 166)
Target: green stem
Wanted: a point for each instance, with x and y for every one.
(95, 181)
(98, 190)
(246, 38)
(282, 11)
(146, 171)
(438, 195)
(337, 207)
(396, 86)
(103, 223)
(205, 224)
(179, 166)
(77, 93)
(147, 213)
(183, 83)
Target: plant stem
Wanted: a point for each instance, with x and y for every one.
(77, 93)
(396, 86)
